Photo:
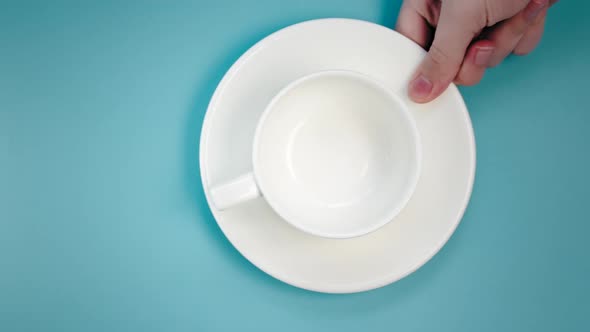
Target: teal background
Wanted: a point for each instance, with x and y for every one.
(103, 223)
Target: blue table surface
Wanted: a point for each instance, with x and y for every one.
(103, 222)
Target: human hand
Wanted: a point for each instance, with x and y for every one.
(464, 37)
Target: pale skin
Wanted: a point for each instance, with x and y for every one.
(466, 37)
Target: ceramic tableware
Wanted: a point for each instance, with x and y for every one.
(317, 263)
(335, 154)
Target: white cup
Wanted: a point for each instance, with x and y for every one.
(335, 154)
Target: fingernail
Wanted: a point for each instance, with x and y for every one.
(483, 55)
(535, 8)
(420, 87)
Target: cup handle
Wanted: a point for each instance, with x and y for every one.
(234, 192)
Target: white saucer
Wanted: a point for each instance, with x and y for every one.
(338, 265)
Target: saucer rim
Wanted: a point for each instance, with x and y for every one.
(353, 287)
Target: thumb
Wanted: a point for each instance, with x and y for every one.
(453, 35)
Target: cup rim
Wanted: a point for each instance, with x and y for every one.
(415, 136)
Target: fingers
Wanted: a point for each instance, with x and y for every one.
(530, 39)
(497, 11)
(532, 36)
(412, 25)
(508, 34)
(475, 63)
(447, 61)
(453, 35)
